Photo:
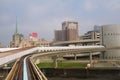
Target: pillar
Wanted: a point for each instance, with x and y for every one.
(55, 61)
(75, 56)
(90, 55)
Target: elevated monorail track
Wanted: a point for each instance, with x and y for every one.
(25, 69)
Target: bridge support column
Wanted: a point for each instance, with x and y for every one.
(75, 56)
(55, 61)
(90, 54)
(102, 55)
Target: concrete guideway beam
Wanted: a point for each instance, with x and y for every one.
(62, 51)
(77, 49)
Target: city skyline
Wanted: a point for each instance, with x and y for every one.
(44, 16)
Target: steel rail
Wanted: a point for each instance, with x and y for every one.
(25, 74)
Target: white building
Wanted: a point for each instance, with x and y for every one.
(110, 37)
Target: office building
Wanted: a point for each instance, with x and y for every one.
(91, 35)
(59, 35)
(69, 32)
(93, 38)
(71, 29)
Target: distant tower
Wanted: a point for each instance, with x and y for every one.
(17, 37)
(16, 32)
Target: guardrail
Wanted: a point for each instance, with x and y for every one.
(42, 76)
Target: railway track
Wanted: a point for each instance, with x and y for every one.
(24, 69)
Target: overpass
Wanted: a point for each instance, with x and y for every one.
(78, 42)
(43, 51)
(6, 57)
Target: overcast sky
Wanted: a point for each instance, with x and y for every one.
(44, 16)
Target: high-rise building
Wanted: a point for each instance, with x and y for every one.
(69, 32)
(71, 29)
(60, 35)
